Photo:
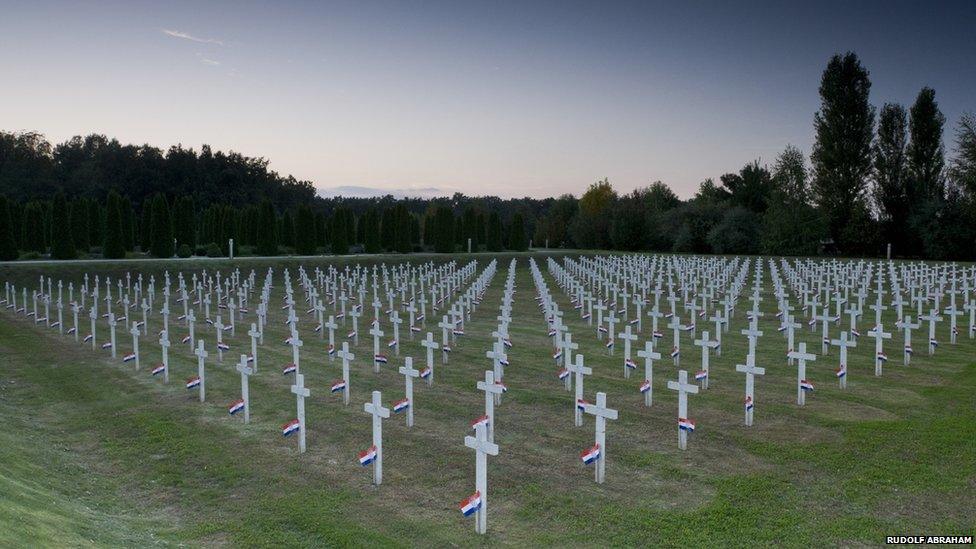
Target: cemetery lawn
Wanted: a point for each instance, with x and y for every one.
(95, 453)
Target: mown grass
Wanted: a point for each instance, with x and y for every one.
(95, 453)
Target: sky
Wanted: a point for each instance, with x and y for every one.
(505, 98)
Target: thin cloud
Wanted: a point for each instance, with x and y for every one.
(208, 61)
(187, 36)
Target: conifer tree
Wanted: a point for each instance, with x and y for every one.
(493, 238)
(340, 241)
(79, 225)
(371, 231)
(8, 242)
(162, 228)
(267, 235)
(517, 240)
(304, 231)
(112, 247)
(62, 244)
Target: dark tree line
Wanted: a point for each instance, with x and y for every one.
(874, 178)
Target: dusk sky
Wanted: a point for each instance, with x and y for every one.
(511, 99)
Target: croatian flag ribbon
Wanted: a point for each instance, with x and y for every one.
(129, 357)
(645, 386)
(401, 405)
(841, 372)
(290, 428)
(351, 334)
(331, 349)
(223, 346)
(381, 358)
(629, 363)
(557, 354)
(236, 406)
(483, 420)
(338, 385)
(590, 455)
(158, 370)
(186, 339)
(882, 357)
(806, 385)
(563, 374)
(193, 382)
(502, 386)
(908, 349)
(675, 352)
(581, 404)
(289, 368)
(425, 373)
(749, 404)
(701, 375)
(686, 424)
(107, 345)
(470, 504)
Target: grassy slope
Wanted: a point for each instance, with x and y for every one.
(91, 451)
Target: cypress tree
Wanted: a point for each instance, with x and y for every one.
(95, 233)
(267, 236)
(340, 242)
(184, 223)
(17, 223)
(62, 244)
(128, 223)
(493, 237)
(287, 230)
(402, 240)
(162, 228)
(304, 231)
(444, 229)
(79, 224)
(33, 228)
(8, 243)
(228, 227)
(145, 227)
(479, 230)
(112, 244)
(371, 236)
(387, 230)
(517, 240)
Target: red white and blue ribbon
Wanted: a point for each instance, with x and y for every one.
(290, 428)
(749, 404)
(193, 382)
(686, 424)
(806, 385)
(629, 363)
(470, 504)
(590, 455)
(289, 369)
(381, 358)
(401, 405)
(158, 370)
(563, 374)
(483, 420)
(129, 357)
(236, 406)
(644, 387)
(338, 385)
(367, 456)
(701, 375)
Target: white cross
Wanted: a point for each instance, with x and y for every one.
(136, 332)
(649, 355)
(409, 372)
(430, 345)
(490, 388)
(245, 371)
(301, 393)
(202, 354)
(578, 370)
(750, 370)
(346, 356)
(627, 336)
(379, 413)
(801, 356)
(879, 336)
(683, 388)
(705, 345)
(602, 414)
(483, 448)
(164, 346)
(843, 343)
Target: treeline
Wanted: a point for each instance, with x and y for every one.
(67, 229)
(872, 179)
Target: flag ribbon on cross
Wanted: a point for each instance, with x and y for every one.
(425, 373)
(129, 357)
(290, 428)
(686, 424)
(367, 456)
(470, 504)
(590, 455)
(645, 386)
(563, 374)
(193, 382)
(158, 369)
(581, 404)
(701, 375)
(401, 405)
(483, 420)
(630, 363)
(235, 406)
(842, 371)
(806, 385)
(289, 368)
(381, 358)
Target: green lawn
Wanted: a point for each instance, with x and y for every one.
(95, 453)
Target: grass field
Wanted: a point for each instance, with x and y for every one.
(95, 453)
